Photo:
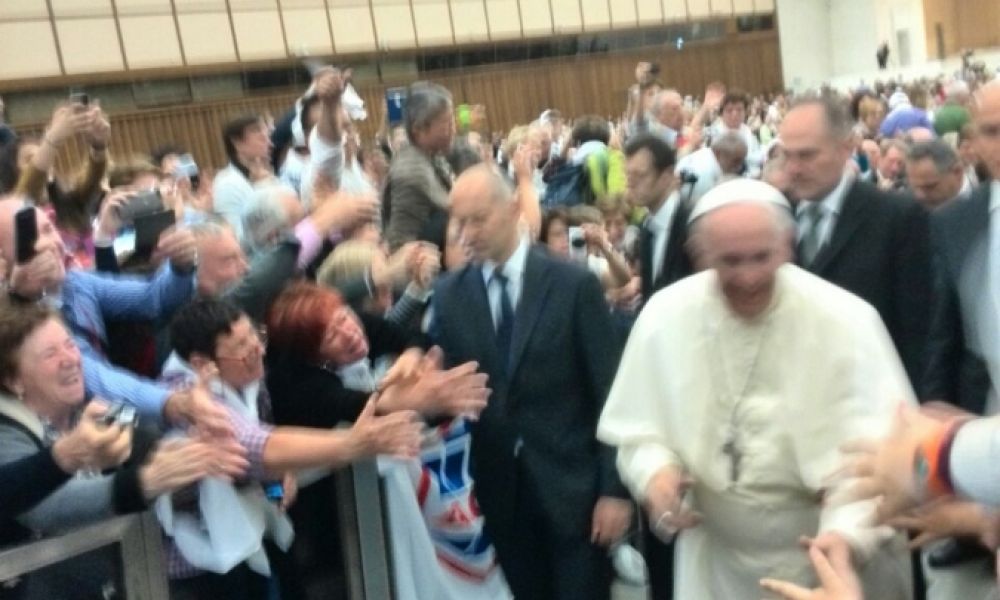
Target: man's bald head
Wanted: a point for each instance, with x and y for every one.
(484, 207)
(730, 150)
(668, 108)
(986, 118)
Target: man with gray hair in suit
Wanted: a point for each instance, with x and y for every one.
(416, 195)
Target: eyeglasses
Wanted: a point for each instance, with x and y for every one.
(252, 348)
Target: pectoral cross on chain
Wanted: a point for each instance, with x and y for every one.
(731, 450)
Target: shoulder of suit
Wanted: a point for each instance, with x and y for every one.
(450, 279)
(876, 198)
(977, 201)
(407, 163)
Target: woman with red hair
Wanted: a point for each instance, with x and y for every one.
(319, 372)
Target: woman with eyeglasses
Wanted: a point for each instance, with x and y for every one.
(43, 407)
(219, 352)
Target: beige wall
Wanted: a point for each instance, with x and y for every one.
(81, 37)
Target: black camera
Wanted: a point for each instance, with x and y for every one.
(144, 203)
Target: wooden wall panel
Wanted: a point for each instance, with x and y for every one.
(513, 94)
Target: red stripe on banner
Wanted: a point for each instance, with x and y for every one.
(462, 569)
(423, 487)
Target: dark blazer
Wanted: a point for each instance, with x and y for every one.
(541, 420)
(676, 263)
(880, 251)
(308, 395)
(955, 371)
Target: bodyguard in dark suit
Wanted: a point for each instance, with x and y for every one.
(956, 372)
(869, 242)
(542, 331)
(650, 173)
(662, 261)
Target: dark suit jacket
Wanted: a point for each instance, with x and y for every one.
(541, 420)
(880, 251)
(960, 232)
(676, 263)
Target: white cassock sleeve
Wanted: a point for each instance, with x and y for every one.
(975, 461)
(869, 384)
(635, 415)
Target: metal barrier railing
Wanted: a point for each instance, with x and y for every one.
(363, 530)
(139, 545)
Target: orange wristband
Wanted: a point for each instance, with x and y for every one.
(930, 451)
(936, 450)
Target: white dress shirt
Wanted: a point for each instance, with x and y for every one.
(831, 205)
(513, 270)
(992, 354)
(659, 225)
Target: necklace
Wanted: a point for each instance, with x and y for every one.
(734, 395)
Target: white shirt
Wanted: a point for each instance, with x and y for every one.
(513, 270)
(704, 164)
(992, 355)
(831, 205)
(659, 225)
(231, 191)
(586, 149)
(324, 157)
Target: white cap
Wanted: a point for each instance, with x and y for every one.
(898, 98)
(738, 191)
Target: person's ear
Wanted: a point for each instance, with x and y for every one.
(14, 385)
(203, 366)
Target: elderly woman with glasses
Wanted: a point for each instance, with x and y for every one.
(42, 403)
(219, 352)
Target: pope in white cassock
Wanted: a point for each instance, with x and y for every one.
(735, 391)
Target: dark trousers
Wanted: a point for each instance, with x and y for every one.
(660, 563)
(542, 564)
(242, 582)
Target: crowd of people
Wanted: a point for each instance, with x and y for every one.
(750, 338)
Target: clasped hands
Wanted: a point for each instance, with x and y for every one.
(417, 381)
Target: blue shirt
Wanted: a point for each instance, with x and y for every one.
(88, 298)
(903, 119)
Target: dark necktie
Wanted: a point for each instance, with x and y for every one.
(505, 326)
